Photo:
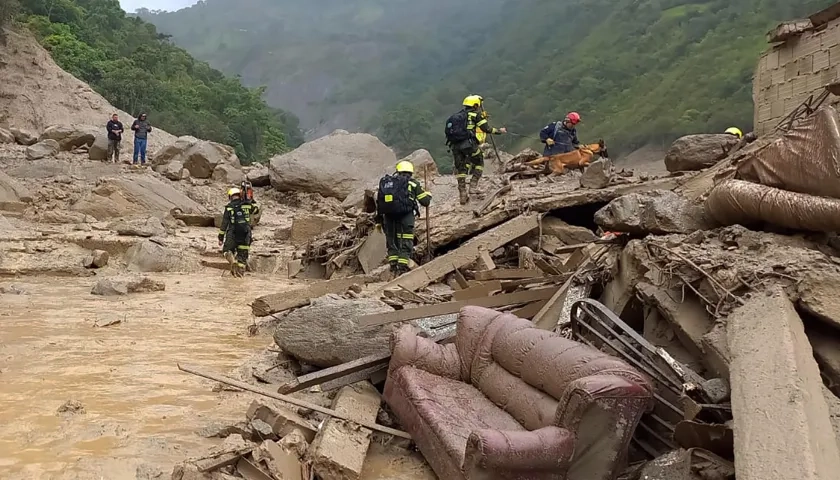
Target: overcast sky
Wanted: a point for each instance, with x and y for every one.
(171, 5)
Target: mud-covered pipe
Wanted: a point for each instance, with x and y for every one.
(739, 202)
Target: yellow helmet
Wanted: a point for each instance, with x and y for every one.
(233, 191)
(405, 166)
(735, 131)
(473, 101)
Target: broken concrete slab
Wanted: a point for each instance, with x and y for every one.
(278, 302)
(818, 296)
(777, 395)
(716, 349)
(825, 342)
(326, 334)
(373, 252)
(283, 464)
(566, 233)
(340, 448)
(658, 211)
(621, 289)
(281, 420)
(466, 253)
(690, 320)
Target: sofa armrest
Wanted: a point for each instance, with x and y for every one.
(609, 392)
(546, 449)
(408, 349)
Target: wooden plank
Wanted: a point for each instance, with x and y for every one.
(508, 274)
(570, 248)
(483, 290)
(546, 267)
(250, 471)
(299, 297)
(460, 280)
(294, 401)
(467, 253)
(219, 461)
(548, 317)
(366, 374)
(454, 307)
(491, 198)
(327, 374)
(485, 261)
(528, 311)
(511, 285)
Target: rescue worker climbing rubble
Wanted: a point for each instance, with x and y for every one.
(396, 209)
(462, 131)
(235, 233)
(561, 137)
(735, 131)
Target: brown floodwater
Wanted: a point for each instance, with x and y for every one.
(141, 412)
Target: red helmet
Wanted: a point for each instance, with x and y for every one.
(573, 117)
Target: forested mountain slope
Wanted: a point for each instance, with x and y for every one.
(138, 70)
(639, 71)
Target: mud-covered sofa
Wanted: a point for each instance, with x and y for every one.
(510, 401)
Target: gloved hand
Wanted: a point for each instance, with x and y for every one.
(503, 130)
(549, 141)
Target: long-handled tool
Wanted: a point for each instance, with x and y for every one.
(428, 221)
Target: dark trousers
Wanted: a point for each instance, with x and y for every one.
(240, 247)
(113, 150)
(468, 159)
(399, 238)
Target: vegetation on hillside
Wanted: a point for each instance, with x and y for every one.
(138, 70)
(639, 71)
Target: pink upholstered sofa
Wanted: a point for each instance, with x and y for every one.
(509, 401)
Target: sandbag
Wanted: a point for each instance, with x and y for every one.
(806, 159)
(739, 202)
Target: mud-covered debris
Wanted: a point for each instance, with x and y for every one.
(658, 211)
(24, 137)
(125, 285)
(71, 407)
(598, 174)
(139, 227)
(696, 152)
(295, 441)
(96, 259)
(42, 149)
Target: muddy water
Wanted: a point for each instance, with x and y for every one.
(141, 412)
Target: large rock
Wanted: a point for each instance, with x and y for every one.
(334, 166)
(70, 137)
(421, 158)
(148, 256)
(525, 156)
(42, 149)
(134, 195)
(96, 259)
(259, 176)
(99, 148)
(325, 333)
(125, 285)
(658, 212)
(568, 234)
(12, 190)
(200, 157)
(696, 152)
(24, 137)
(173, 170)
(174, 150)
(138, 227)
(598, 174)
(229, 174)
(6, 136)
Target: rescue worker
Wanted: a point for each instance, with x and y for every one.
(235, 233)
(561, 137)
(735, 131)
(396, 209)
(462, 137)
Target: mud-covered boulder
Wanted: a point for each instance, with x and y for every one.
(96, 259)
(99, 148)
(138, 227)
(173, 170)
(24, 137)
(526, 155)
(148, 256)
(421, 158)
(568, 234)
(598, 174)
(11, 190)
(173, 151)
(259, 176)
(333, 166)
(199, 157)
(134, 195)
(127, 284)
(696, 152)
(325, 333)
(657, 212)
(42, 149)
(71, 137)
(229, 174)
(6, 136)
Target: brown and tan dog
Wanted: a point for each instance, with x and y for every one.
(579, 158)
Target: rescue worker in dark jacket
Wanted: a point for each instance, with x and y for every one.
(561, 137)
(399, 226)
(467, 155)
(235, 233)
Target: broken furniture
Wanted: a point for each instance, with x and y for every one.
(507, 400)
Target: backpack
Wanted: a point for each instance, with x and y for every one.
(456, 128)
(393, 197)
(241, 222)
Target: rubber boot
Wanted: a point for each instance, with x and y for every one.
(395, 270)
(474, 184)
(231, 259)
(462, 191)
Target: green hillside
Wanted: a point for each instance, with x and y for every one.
(137, 69)
(639, 71)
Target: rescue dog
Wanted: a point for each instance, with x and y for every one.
(577, 159)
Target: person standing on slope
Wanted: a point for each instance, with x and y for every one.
(461, 137)
(115, 130)
(561, 137)
(396, 208)
(235, 233)
(141, 128)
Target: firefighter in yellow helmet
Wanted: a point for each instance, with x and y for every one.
(235, 233)
(396, 208)
(462, 130)
(735, 131)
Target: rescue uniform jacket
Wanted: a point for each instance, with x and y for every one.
(416, 193)
(565, 139)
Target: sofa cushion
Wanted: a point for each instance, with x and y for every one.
(452, 409)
